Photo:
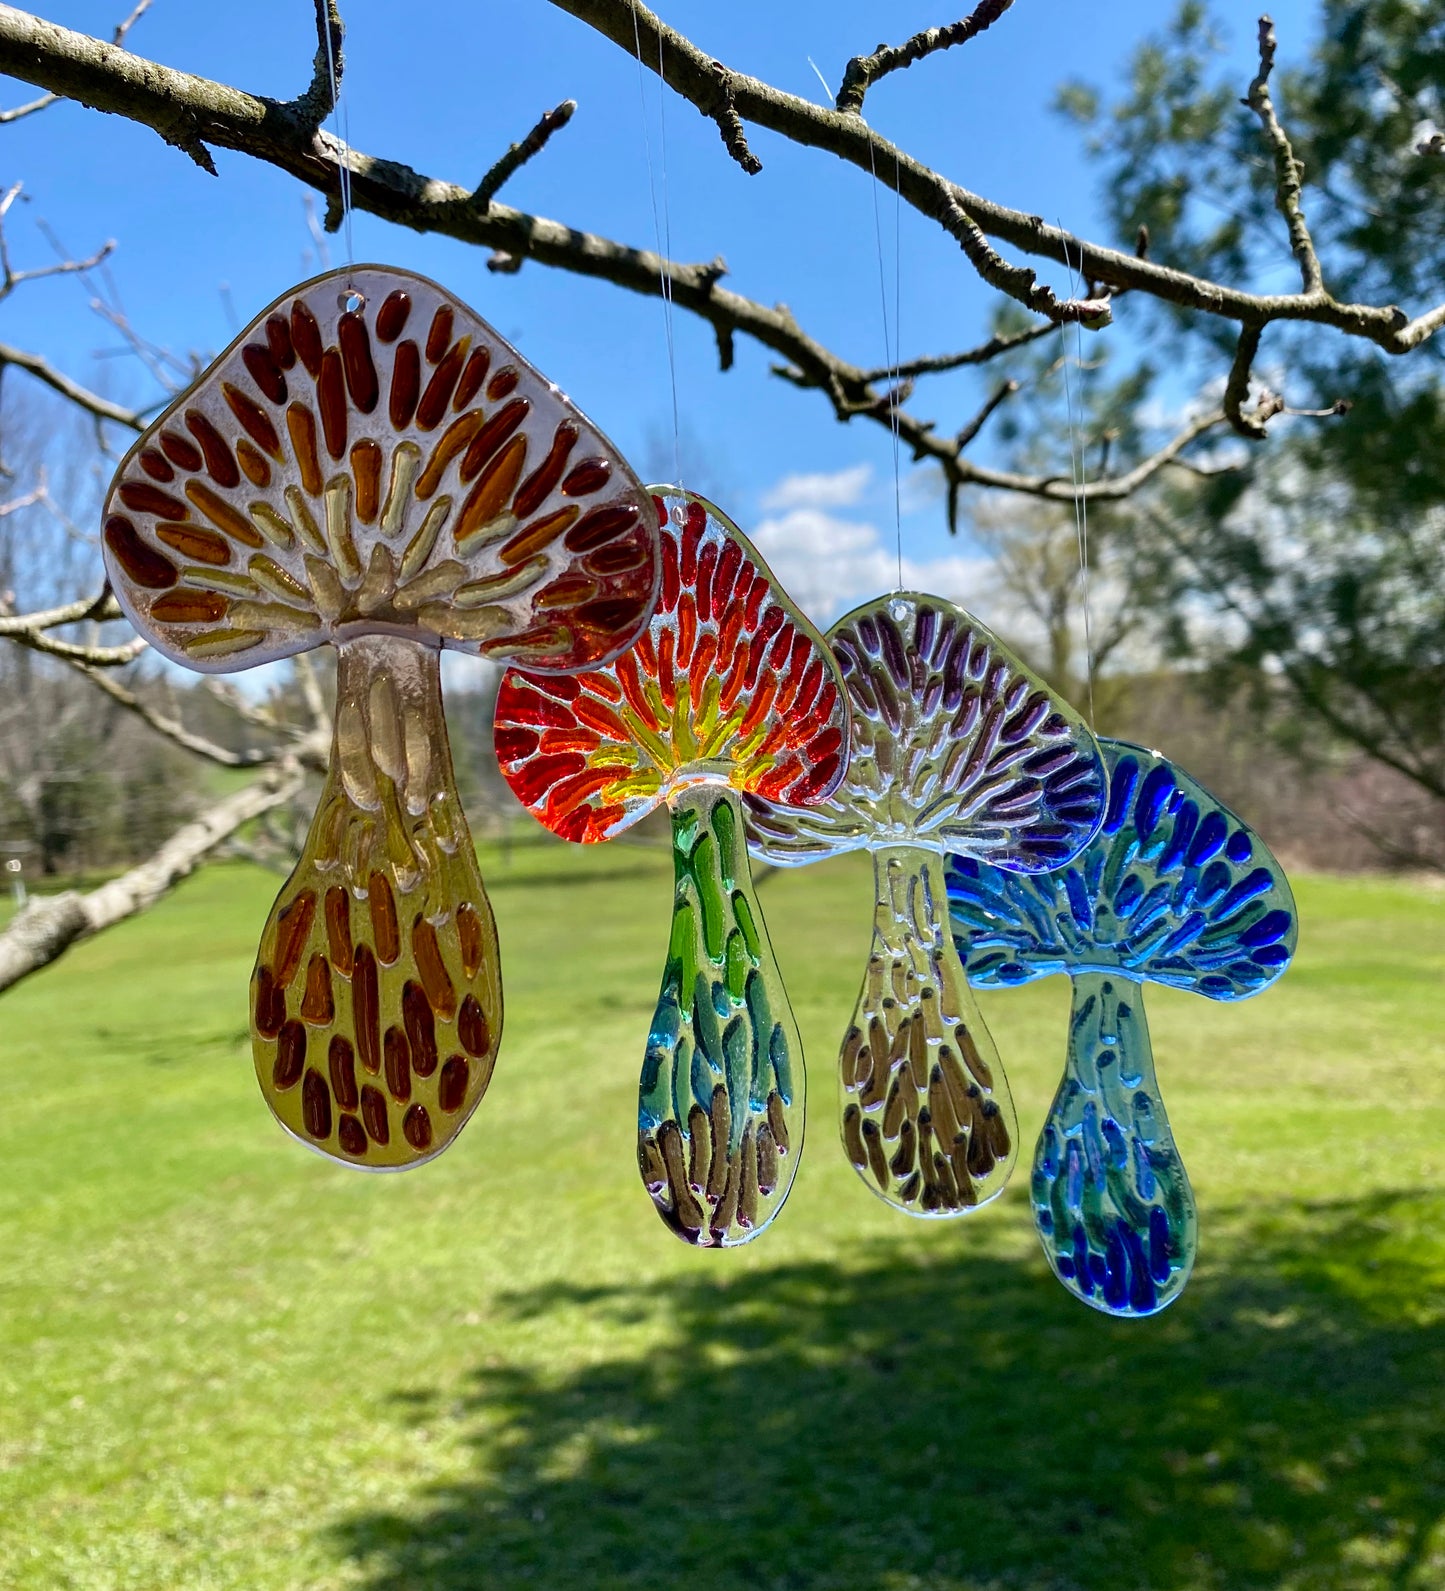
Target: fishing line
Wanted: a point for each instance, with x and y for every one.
(891, 355)
(661, 222)
(1078, 474)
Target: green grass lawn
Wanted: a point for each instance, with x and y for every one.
(227, 1363)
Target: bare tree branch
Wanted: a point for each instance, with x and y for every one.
(1289, 171)
(28, 109)
(865, 70)
(518, 155)
(187, 109)
(1236, 390)
(46, 100)
(938, 364)
(101, 607)
(74, 652)
(171, 728)
(50, 925)
(725, 113)
(72, 391)
(848, 137)
(970, 430)
(319, 100)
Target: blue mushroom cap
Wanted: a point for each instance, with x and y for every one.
(1173, 889)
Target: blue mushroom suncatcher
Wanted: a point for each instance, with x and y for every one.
(1173, 889)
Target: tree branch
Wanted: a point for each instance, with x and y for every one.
(73, 652)
(1289, 172)
(848, 137)
(938, 364)
(50, 925)
(46, 100)
(327, 65)
(1001, 394)
(865, 70)
(171, 728)
(72, 391)
(101, 607)
(518, 155)
(187, 109)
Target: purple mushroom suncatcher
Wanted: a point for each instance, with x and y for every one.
(1174, 889)
(956, 747)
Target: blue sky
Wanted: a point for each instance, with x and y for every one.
(450, 86)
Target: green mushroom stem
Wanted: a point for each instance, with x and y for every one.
(927, 1119)
(1112, 1201)
(720, 1106)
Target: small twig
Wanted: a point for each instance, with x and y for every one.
(71, 652)
(28, 109)
(82, 397)
(319, 100)
(1236, 389)
(13, 279)
(171, 728)
(938, 364)
(1017, 281)
(518, 155)
(99, 608)
(1289, 172)
(730, 124)
(865, 70)
(968, 432)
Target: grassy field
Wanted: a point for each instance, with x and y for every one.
(226, 1363)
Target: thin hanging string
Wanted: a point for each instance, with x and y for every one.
(661, 223)
(1078, 472)
(342, 123)
(891, 356)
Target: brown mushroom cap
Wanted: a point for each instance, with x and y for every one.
(369, 456)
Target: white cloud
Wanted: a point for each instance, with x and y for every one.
(840, 489)
(829, 565)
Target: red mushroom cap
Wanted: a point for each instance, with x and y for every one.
(728, 684)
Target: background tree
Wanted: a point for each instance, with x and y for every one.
(1315, 568)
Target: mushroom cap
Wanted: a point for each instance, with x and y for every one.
(957, 746)
(370, 456)
(729, 684)
(1174, 889)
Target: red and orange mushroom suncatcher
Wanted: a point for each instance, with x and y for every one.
(369, 464)
(728, 691)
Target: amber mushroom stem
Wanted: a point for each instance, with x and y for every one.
(720, 1108)
(377, 994)
(928, 1121)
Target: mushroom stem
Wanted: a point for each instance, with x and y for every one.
(1112, 1201)
(720, 1107)
(928, 1122)
(377, 999)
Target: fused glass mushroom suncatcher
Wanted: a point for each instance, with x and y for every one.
(1174, 889)
(728, 690)
(956, 746)
(370, 465)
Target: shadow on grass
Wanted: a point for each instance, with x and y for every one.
(960, 1424)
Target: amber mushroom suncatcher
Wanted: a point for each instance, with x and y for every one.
(956, 747)
(729, 690)
(369, 464)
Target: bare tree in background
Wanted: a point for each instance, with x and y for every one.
(75, 629)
